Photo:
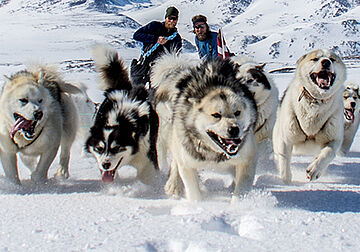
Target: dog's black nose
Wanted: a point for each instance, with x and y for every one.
(353, 104)
(38, 115)
(325, 63)
(234, 131)
(106, 166)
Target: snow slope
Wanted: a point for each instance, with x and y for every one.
(81, 214)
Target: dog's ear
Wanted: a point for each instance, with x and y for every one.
(143, 125)
(301, 59)
(7, 79)
(357, 91)
(41, 77)
(261, 67)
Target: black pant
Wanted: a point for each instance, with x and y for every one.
(139, 72)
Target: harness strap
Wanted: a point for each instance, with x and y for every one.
(312, 99)
(28, 143)
(311, 137)
(260, 126)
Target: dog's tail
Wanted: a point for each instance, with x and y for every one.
(113, 73)
(170, 66)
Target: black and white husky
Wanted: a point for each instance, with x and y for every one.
(125, 127)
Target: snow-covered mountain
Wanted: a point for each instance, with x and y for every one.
(269, 30)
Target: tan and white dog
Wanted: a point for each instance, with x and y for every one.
(37, 116)
(207, 119)
(351, 116)
(310, 114)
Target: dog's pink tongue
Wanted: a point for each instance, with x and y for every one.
(232, 141)
(20, 123)
(351, 115)
(107, 176)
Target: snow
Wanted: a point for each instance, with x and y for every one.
(81, 214)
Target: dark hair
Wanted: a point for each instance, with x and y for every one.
(171, 11)
(198, 18)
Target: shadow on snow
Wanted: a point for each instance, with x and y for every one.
(320, 200)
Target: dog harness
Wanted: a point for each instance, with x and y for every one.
(312, 99)
(28, 144)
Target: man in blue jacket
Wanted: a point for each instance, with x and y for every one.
(157, 37)
(205, 40)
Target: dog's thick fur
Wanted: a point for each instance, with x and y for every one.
(125, 127)
(351, 116)
(208, 117)
(37, 115)
(265, 94)
(310, 114)
(87, 110)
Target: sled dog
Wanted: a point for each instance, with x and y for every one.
(351, 116)
(87, 110)
(310, 114)
(265, 94)
(210, 119)
(37, 116)
(125, 127)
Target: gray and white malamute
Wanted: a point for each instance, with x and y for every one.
(207, 117)
(351, 115)
(37, 116)
(310, 116)
(125, 127)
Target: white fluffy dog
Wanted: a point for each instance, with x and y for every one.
(37, 116)
(351, 116)
(310, 114)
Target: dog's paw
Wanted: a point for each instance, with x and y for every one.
(312, 173)
(38, 179)
(286, 177)
(172, 189)
(61, 173)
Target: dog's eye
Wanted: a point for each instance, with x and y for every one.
(99, 149)
(23, 101)
(315, 59)
(249, 81)
(40, 100)
(118, 149)
(216, 115)
(237, 113)
(332, 59)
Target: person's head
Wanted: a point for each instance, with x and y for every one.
(171, 17)
(201, 28)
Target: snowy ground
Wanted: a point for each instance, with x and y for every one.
(80, 214)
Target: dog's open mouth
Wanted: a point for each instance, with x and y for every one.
(26, 126)
(108, 176)
(231, 146)
(349, 114)
(323, 79)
